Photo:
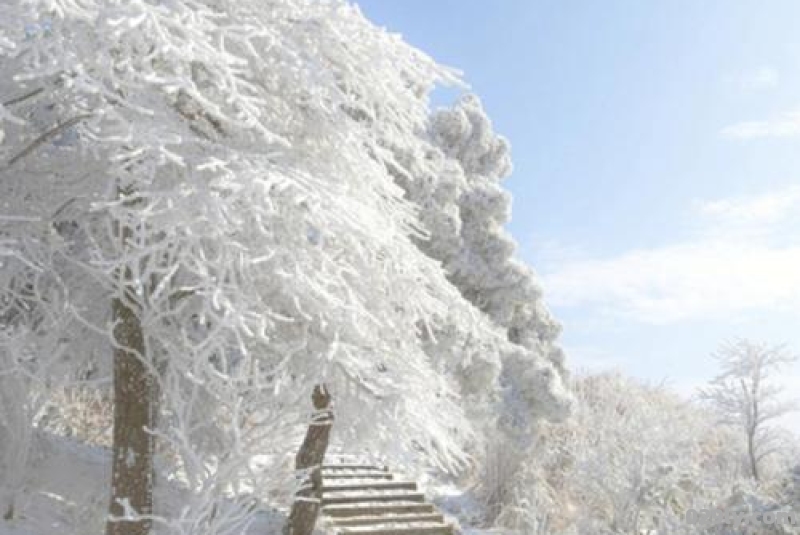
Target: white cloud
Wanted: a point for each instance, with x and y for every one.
(765, 77)
(785, 125)
(765, 208)
(681, 282)
(729, 268)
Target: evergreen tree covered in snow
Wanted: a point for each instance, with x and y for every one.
(456, 183)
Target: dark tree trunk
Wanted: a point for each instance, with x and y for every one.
(308, 464)
(135, 402)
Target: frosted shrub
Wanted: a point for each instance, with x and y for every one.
(633, 458)
(80, 412)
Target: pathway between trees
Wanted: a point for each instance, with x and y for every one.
(365, 499)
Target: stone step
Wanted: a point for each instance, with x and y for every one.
(351, 466)
(420, 529)
(387, 519)
(376, 508)
(328, 476)
(362, 498)
(345, 498)
(368, 485)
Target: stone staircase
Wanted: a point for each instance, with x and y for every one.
(365, 499)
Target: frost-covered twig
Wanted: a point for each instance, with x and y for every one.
(44, 137)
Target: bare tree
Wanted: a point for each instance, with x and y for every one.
(745, 395)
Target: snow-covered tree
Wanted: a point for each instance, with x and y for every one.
(456, 183)
(200, 200)
(746, 396)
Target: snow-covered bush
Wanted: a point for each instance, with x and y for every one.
(633, 458)
(84, 413)
(31, 352)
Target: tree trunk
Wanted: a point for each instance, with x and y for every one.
(751, 453)
(135, 399)
(752, 429)
(308, 465)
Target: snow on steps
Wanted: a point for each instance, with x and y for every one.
(361, 509)
(368, 495)
(334, 486)
(409, 529)
(340, 474)
(399, 517)
(365, 499)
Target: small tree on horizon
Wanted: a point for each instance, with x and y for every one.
(746, 397)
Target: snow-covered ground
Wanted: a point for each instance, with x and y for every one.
(66, 493)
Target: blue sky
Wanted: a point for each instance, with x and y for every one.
(656, 166)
